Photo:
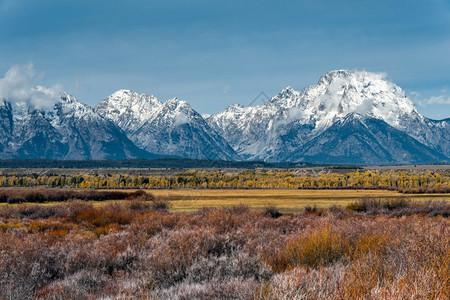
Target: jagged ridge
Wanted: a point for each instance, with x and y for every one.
(67, 130)
(291, 119)
(347, 117)
(169, 128)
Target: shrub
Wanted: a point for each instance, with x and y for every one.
(137, 194)
(272, 212)
(141, 195)
(160, 205)
(239, 209)
(51, 195)
(396, 203)
(311, 209)
(374, 205)
(236, 288)
(139, 205)
(27, 211)
(370, 243)
(337, 211)
(355, 206)
(278, 261)
(319, 248)
(109, 214)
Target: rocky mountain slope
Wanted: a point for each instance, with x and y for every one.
(347, 117)
(67, 130)
(291, 120)
(169, 128)
(361, 140)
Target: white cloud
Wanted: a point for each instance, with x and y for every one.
(365, 107)
(443, 99)
(19, 85)
(414, 94)
(181, 119)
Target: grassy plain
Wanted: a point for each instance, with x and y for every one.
(284, 200)
(287, 201)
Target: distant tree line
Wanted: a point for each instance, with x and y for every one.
(249, 179)
(142, 163)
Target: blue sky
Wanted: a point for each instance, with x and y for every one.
(216, 53)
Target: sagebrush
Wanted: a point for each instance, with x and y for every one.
(137, 250)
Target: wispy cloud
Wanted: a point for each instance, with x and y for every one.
(444, 98)
(20, 85)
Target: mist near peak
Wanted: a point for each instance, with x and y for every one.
(20, 85)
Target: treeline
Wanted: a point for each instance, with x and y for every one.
(170, 163)
(250, 179)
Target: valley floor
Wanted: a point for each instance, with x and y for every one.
(374, 248)
(285, 200)
(293, 201)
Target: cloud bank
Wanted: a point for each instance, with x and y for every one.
(20, 85)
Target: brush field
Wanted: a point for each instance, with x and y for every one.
(339, 236)
(372, 249)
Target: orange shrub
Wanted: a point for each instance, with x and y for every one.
(103, 216)
(319, 248)
(47, 225)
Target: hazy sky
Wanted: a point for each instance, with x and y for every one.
(215, 53)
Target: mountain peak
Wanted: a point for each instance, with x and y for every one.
(352, 77)
(123, 92)
(348, 116)
(287, 91)
(131, 95)
(235, 107)
(341, 92)
(67, 98)
(177, 103)
(291, 119)
(338, 74)
(128, 109)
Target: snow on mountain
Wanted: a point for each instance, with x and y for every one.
(339, 93)
(363, 140)
(169, 128)
(347, 117)
(292, 118)
(128, 109)
(67, 130)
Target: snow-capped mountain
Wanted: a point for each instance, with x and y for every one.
(347, 117)
(363, 140)
(67, 130)
(285, 124)
(169, 128)
(128, 109)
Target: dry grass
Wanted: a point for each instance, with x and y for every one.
(287, 201)
(135, 251)
(321, 247)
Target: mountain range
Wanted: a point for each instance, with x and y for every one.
(348, 117)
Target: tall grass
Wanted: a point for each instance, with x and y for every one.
(321, 247)
(133, 251)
